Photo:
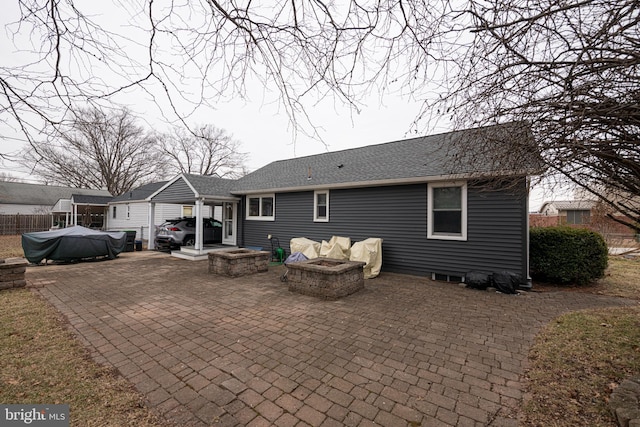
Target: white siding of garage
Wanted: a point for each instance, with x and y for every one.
(138, 219)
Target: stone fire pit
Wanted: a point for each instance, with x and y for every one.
(326, 278)
(238, 262)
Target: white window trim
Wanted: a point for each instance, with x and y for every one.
(260, 217)
(441, 236)
(316, 218)
(128, 211)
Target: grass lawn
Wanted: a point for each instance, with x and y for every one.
(42, 363)
(575, 363)
(580, 357)
(11, 247)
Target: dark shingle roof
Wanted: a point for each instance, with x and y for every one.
(19, 193)
(211, 185)
(480, 151)
(140, 193)
(82, 199)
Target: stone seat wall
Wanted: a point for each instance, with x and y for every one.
(12, 272)
(238, 262)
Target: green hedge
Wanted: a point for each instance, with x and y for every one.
(567, 255)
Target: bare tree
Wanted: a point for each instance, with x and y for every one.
(205, 151)
(98, 150)
(7, 177)
(189, 54)
(568, 68)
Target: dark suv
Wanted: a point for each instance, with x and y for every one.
(174, 233)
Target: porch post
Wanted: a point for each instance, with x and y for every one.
(152, 228)
(199, 238)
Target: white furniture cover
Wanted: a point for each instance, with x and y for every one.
(370, 252)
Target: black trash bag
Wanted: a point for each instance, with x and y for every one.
(506, 282)
(517, 281)
(477, 280)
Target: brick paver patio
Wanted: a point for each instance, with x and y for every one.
(211, 350)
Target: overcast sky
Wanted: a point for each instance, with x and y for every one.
(263, 129)
(257, 121)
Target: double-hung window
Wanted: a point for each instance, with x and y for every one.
(447, 210)
(261, 207)
(321, 206)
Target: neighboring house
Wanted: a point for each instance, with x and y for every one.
(89, 210)
(435, 209)
(21, 198)
(584, 213)
(130, 211)
(64, 205)
(570, 212)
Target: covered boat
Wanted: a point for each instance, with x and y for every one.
(72, 243)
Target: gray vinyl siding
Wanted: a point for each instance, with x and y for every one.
(179, 191)
(496, 231)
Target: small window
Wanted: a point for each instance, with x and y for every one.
(114, 212)
(321, 206)
(447, 211)
(187, 211)
(578, 217)
(261, 207)
(128, 211)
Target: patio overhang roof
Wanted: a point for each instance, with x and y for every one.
(186, 188)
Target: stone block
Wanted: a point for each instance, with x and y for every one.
(12, 271)
(326, 277)
(238, 262)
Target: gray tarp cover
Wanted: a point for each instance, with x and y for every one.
(72, 243)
